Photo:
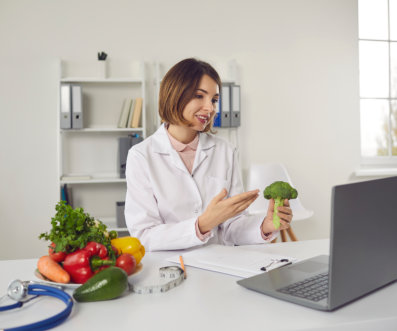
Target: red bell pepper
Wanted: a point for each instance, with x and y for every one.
(104, 266)
(96, 249)
(81, 265)
(84, 263)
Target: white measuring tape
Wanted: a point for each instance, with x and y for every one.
(174, 273)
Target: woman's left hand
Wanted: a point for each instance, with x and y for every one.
(285, 214)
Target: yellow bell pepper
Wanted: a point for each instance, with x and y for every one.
(130, 245)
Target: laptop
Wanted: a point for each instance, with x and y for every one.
(363, 251)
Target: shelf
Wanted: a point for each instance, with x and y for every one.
(369, 172)
(117, 229)
(100, 80)
(104, 129)
(94, 180)
(111, 224)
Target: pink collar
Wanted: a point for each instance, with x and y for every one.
(179, 147)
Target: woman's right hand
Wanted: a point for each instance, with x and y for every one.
(220, 209)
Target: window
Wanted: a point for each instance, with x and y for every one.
(378, 79)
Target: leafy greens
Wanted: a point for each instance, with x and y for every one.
(72, 229)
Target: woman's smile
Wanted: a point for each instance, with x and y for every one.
(203, 119)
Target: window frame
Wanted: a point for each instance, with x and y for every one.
(389, 159)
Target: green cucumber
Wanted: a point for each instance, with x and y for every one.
(107, 284)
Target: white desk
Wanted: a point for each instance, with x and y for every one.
(205, 301)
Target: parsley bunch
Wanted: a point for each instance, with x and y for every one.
(72, 229)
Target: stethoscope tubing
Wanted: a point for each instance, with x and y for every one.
(13, 306)
(38, 289)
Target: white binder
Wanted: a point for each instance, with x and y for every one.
(77, 107)
(66, 107)
(235, 106)
(225, 106)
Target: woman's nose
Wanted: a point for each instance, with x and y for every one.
(209, 106)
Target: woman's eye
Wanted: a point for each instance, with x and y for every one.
(199, 96)
(215, 100)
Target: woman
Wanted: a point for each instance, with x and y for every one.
(183, 184)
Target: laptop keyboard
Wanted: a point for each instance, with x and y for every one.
(314, 288)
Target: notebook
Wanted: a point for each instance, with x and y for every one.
(363, 250)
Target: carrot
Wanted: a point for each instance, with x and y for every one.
(52, 270)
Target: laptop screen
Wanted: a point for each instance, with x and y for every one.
(364, 230)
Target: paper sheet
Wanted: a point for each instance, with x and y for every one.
(233, 260)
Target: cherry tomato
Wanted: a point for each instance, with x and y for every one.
(57, 257)
(126, 262)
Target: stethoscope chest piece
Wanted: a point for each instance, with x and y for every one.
(17, 290)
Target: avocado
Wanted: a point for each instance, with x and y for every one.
(107, 284)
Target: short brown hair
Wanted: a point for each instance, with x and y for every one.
(179, 86)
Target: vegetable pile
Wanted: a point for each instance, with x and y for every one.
(81, 247)
(73, 229)
(279, 191)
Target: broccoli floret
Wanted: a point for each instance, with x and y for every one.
(279, 191)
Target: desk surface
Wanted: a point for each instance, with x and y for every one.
(205, 301)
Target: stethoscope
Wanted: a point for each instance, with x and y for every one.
(19, 290)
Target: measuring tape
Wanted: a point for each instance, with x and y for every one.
(174, 273)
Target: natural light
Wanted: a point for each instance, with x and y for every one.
(378, 77)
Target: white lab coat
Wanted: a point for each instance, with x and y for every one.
(164, 200)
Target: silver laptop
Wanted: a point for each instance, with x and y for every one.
(363, 251)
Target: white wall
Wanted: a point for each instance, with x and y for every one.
(298, 66)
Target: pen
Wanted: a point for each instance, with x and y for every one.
(286, 264)
(265, 269)
(182, 266)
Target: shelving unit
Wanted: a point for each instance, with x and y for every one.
(93, 150)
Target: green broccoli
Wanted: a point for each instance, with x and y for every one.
(279, 191)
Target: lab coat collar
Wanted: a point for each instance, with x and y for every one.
(162, 145)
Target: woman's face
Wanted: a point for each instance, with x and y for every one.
(200, 110)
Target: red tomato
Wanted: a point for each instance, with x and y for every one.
(57, 257)
(126, 262)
